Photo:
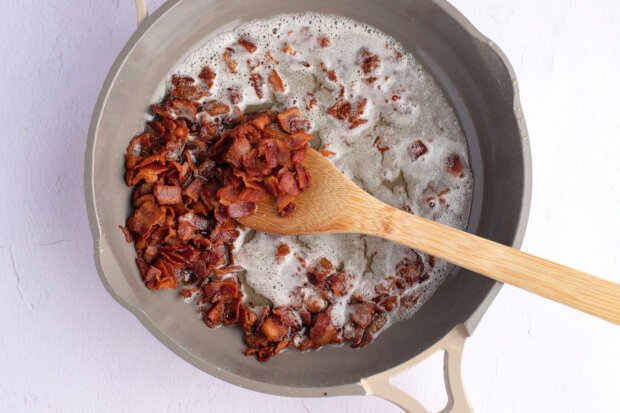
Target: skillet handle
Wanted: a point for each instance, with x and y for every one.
(453, 343)
(141, 10)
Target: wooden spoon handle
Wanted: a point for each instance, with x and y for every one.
(577, 289)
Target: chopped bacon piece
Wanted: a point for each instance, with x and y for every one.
(370, 61)
(408, 301)
(285, 205)
(270, 57)
(287, 184)
(315, 304)
(341, 283)
(455, 166)
(247, 45)
(288, 49)
(253, 64)
(186, 230)
(208, 76)
(417, 149)
(298, 140)
(282, 251)
(323, 41)
(188, 292)
(213, 318)
(239, 149)
(341, 110)
(257, 83)
(377, 144)
(355, 122)
(410, 269)
(146, 217)
(276, 81)
(168, 194)
(222, 291)
(323, 331)
(290, 120)
(273, 329)
(303, 177)
(310, 101)
(326, 152)
(247, 318)
(215, 108)
(361, 314)
(235, 96)
(183, 108)
(241, 209)
(127, 234)
(389, 304)
(230, 62)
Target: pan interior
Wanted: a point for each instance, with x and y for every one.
(476, 82)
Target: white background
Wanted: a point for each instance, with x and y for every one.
(66, 345)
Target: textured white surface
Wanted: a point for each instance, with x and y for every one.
(65, 345)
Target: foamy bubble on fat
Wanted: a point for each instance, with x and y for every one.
(403, 105)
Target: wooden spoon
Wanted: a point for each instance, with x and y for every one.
(334, 204)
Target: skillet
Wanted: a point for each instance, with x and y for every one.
(481, 86)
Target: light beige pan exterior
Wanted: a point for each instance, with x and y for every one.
(482, 87)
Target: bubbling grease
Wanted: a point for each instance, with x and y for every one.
(404, 106)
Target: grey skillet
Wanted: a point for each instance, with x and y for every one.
(481, 86)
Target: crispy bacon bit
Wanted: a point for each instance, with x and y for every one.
(247, 45)
(361, 314)
(395, 98)
(323, 41)
(390, 303)
(323, 331)
(276, 81)
(355, 122)
(127, 234)
(410, 269)
(273, 329)
(341, 110)
(370, 62)
(341, 283)
(326, 152)
(188, 292)
(288, 49)
(417, 149)
(230, 62)
(257, 83)
(310, 101)
(253, 64)
(282, 251)
(270, 57)
(377, 144)
(208, 76)
(215, 108)
(408, 301)
(168, 194)
(455, 166)
(291, 121)
(234, 95)
(370, 80)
